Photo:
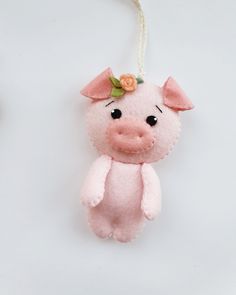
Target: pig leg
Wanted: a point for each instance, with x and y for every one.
(128, 228)
(100, 223)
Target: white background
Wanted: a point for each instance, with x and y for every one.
(49, 50)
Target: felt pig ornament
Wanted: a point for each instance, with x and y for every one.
(131, 123)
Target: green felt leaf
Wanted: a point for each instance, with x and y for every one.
(117, 92)
(139, 80)
(115, 82)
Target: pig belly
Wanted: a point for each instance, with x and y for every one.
(123, 191)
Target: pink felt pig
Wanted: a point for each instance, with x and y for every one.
(130, 132)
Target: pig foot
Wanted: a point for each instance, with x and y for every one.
(100, 225)
(127, 231)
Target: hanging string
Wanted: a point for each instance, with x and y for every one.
(142, 38)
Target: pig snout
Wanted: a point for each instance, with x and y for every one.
(130, 136)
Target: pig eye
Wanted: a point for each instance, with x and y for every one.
(116, 113)
(151, 120)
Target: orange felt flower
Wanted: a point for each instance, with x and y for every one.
(128, 82)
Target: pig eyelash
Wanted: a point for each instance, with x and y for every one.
(159, 109)
(109, 103)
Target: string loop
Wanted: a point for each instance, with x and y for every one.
(142, 38)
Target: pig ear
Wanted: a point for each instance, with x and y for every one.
(174, 97)
(100, 87)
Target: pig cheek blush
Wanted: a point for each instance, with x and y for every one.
(131, 123)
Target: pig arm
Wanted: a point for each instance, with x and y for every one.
(92, 192)
(151, 201)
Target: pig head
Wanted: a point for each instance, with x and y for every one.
(140, 127)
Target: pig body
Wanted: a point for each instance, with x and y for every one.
(122, 199)
(120, 208)
(122, 189)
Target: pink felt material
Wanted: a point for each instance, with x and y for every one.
(119, 214)
(100, 87)
(151, 201)
(174, 96)
(122, 189)
(93, 189)
(130, 136)
(118, 197)
(135, 106)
